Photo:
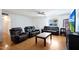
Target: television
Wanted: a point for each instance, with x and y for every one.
(72, 20)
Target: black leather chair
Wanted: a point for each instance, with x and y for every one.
(73, 41)
(32, 31)
(52, 30)
(63, 31)
(17, 35)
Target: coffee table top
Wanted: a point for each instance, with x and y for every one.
(43, 35)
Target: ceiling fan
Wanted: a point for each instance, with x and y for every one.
(42, 13)
(39, 12)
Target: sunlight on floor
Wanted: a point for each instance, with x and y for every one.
(48, 41)
(55, 44)
(6, 46)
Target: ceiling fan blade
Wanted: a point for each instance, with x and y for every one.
(39, 12)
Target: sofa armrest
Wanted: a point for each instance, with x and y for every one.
(42, 30)
(36, 29)
(57, 30)
(22, 33)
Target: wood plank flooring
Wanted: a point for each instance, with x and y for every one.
(56, 43)
(1, 45)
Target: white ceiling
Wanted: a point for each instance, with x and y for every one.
(34, 12)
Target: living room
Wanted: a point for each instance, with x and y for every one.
(39, 18)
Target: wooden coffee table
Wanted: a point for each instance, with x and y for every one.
(44, 36)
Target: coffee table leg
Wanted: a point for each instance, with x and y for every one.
(44, 42)
(36, 39)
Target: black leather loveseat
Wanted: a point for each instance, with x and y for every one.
(32, 31)
(52, 30)
(17, 35)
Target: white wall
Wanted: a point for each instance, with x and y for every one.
(20, 21)
(60, 20)
(0, 26)
(77, 20)
(40, 22)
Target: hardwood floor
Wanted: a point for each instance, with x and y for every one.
(56, 43)
(1, 45)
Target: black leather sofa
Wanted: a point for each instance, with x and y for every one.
(32, 31)
(73, 41)
(52, 30)
(17, 35)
